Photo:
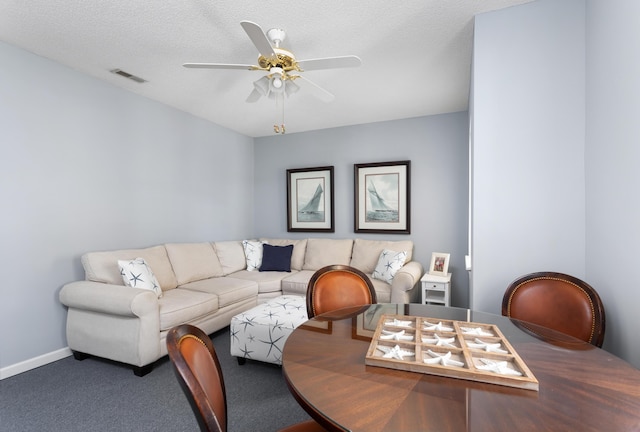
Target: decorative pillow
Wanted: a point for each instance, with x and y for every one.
(276, 258)
(388, 265)
(137, 274)
(253, 253)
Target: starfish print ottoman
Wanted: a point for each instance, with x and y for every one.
(260, 332)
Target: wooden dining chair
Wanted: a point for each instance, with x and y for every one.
(557, 301)
(338, 286)
(197, 368)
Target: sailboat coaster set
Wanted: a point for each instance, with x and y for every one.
(449, 348)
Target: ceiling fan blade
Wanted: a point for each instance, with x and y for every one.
(316, 90)
(219, 66)
(259, 39)
(254, 96)
(330, 63)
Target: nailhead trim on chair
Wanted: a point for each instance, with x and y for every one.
(593, 312)
(190, 336)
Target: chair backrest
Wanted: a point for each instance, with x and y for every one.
(338, 286)
(197, 368)
(557, 301)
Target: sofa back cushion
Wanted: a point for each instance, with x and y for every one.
(367, 252)
(193, 261)
(103, 266)
(299, 248)
(324, 252)
(231, 256)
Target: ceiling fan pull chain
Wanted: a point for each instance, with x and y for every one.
(279, 128)
(282, 123)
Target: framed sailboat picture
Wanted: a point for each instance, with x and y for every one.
(310, 200)
(382, 197)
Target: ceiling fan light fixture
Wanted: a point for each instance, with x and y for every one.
(291, 88)
(262, 85)
(277, 76)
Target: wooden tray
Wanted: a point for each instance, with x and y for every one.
(456, 349)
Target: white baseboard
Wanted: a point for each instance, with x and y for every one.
(33, 363)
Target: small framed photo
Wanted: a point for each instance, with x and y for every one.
(382, 197)
(310, 199)
(439, 264)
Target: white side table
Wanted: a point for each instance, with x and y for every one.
(436, 289)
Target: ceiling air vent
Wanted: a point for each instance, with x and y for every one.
(128, 75)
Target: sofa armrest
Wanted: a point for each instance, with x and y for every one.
(108, 299)
(404, 281)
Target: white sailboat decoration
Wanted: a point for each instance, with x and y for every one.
(311, 212)
(314, 203)
(380, 211)
(377, 202)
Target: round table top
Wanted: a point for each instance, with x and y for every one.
(581, 387)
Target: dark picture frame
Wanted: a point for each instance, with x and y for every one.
(310, 199)
(383, 197)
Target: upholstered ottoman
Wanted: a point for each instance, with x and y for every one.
(260, 332)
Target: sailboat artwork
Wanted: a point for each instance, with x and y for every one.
(382, 197)
(378, 207)
(310, 199)
(311, 210)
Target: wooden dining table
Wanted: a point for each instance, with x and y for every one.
(581, 387)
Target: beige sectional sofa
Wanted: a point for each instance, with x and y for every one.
(204, 284)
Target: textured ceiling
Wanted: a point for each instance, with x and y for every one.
(416, 54)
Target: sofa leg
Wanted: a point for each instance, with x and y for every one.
(79, 355)
(142, 370)
(241, 360)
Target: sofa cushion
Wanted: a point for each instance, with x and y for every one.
(137, 274)
(366, 252)
(229, 290)
(276, 258)
(231, 256)
(388, 265)
(103, 266)
(299, 249)
(180, 306)
(253, 254)
(193, 261)
(268, 282)
(324, 252)
(297, 283)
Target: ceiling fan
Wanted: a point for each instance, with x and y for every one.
(280, 65)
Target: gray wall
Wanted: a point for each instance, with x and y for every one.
(612, 158)
(555, 153)
(528, 146)
(86, 166)
(438, 149)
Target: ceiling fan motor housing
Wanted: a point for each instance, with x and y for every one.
(284, 59)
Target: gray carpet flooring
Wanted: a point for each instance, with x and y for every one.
(98, 395)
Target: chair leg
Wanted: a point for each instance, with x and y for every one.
(241, 360)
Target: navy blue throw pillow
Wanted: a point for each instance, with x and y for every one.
(276, 258)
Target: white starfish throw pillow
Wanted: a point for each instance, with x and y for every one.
(253, 254)
(388, 265)
(137, 274)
